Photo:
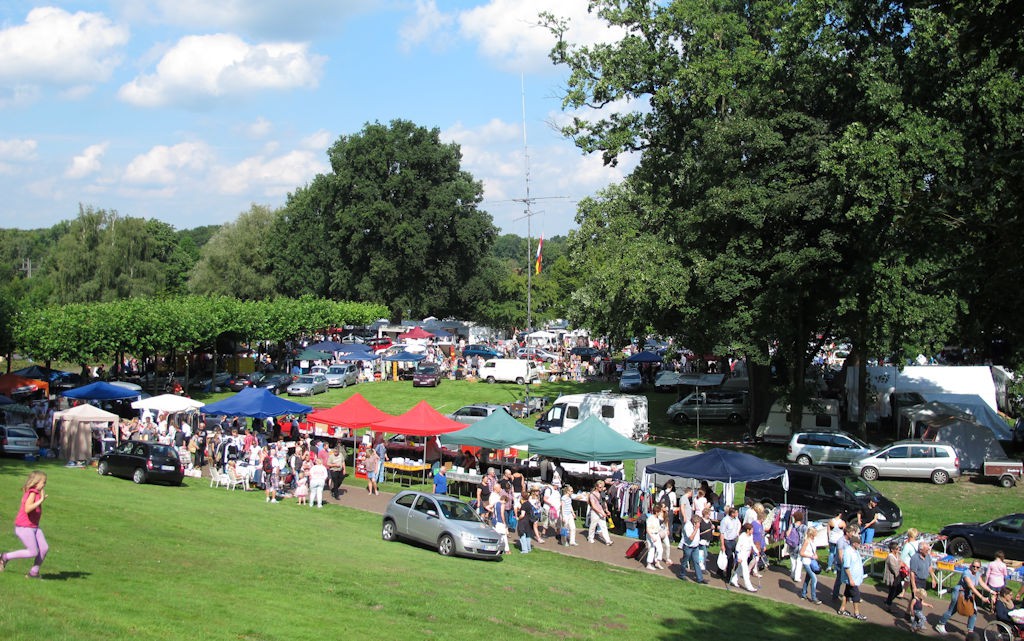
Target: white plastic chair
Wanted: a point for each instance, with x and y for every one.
(217, 478)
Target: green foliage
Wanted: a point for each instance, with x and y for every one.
(395, 222)
(236, 260)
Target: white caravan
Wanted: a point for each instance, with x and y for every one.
(624, 413)
(509, 370)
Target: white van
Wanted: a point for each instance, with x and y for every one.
(819, 415)
(624, 413)
(509, 370)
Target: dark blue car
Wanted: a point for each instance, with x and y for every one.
(486, 351)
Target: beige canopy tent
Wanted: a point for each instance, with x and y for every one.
(74, 429)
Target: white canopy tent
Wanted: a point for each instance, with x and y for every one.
(74, 429)
(169, 403)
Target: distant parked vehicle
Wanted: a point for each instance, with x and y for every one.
(252, 379)
(276, 383)
(485, 351)
(537, 354)
(342, 375)
(914, 459)
(830, 448)
(427, 375)
(308, 385)
(631, 381)
(142, 462)
(18, 440)
(470, 414)
(972, 540)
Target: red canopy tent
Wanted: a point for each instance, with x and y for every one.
(421, 420)
(416, 333)
(354, 412)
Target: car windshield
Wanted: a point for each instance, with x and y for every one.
(458, 511)
(427, 369)
(336, 370)
(20, 432)
(859, 442)
(306, 379)
(859, 486)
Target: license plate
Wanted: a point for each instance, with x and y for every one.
(167, 468)
(489, 548)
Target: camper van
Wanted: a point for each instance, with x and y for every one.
(819, 415)
(624, 413)
(509, 370)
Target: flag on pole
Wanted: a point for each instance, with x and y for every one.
(540, 244)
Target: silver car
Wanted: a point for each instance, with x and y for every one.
(308, 385)
(444, 522)
(631, 381)
(342, 375)
(829, 448)
(932, 460)
(18, 439)
(470, 414)
(727, 407)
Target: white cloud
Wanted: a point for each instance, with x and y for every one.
(270, 176)
(18, 149)
(428, 25)
(199, 69)
(259, 128)
(508, 31)
(261, 18)
(59, 48)
(163, 165)
(88, 162)
(317, 141)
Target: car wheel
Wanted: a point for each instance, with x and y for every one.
(803, 459)
(139, 476)
(1006, 481)
(446, 545)
(344, 384)
(959, 546)
(869, 473)
(389, 532)
(520, 380)
(939, 477)
(490, 379)
(735, 419)
(103, 468)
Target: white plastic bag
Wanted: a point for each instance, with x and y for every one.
(723, 561)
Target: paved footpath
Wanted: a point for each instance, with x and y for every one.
(776, 583)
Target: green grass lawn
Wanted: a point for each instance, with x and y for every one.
(154, 562)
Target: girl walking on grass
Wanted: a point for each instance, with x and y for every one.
(26, 525)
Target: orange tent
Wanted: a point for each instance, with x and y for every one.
(11, 384)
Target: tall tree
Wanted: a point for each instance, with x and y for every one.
(236, 260)
(395, 222)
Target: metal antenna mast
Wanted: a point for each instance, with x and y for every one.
(528, 214)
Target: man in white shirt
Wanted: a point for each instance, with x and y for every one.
(728, 532)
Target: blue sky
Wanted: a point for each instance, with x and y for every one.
(188, 111)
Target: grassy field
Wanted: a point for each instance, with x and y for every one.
(154, 562)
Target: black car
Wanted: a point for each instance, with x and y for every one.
(587, 354)
(143, 461)
(983, 539)
(252, 379)
(826, 491)
(276, 383)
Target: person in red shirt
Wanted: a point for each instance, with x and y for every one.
(26, 525)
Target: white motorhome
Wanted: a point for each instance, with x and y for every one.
(509, 370)
(624, 413)
(819, 415)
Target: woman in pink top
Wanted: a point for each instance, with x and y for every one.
(995, 578)
(26, 525)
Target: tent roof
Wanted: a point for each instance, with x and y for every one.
(328, 346)
(256, 402)
(719, 465)
(171, 403)
(497, 431)
(644, 357)
(101, 391)
(35, 371)
(86, 412)
(593, 440)
(700, 380)
(354, 412)
(10, 382)
(309, 354)
(421, 420)
(978, 408)
(540, 333)
(416, 333)
(405, 356)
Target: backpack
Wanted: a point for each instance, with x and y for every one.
(793, 537)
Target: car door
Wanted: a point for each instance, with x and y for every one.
(1005, 533)
(841, 449)
(118, 461)
(896, 462)
(424, 526)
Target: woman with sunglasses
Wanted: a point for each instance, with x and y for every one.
(971, 585)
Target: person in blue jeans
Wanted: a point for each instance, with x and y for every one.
(867, 530)
(972, 584)
(809, 554)
(691, 549)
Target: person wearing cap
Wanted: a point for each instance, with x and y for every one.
(867, 529)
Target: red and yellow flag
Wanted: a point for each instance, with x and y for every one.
(540, 244)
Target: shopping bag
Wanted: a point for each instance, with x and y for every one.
(964, 605)
(723, 561)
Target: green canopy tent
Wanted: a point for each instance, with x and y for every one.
(593, 440)
(497, 431)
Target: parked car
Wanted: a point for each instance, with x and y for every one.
(825, 491)
(470, 414)
(276, 383)
(318, 370)
(252, 379)
(726, 407)
(444, 522)
(631, 381)
(1005, 533)
(18, 440)
(486, 351)
(211, 384)
(587, 354)
(379, 344)
(342, 375)
(143, 461)
(308, 385)
(827, 448)
(537, 353)
(912, 459)
(427, 374)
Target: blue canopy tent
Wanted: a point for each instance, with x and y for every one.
(727, 466)
(405, 357)
(644, 357)
(101, 391)
(255, 402)
(328, 346)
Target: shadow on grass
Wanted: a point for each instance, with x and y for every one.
(65, 576)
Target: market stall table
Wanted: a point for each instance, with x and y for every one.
(407, 474)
